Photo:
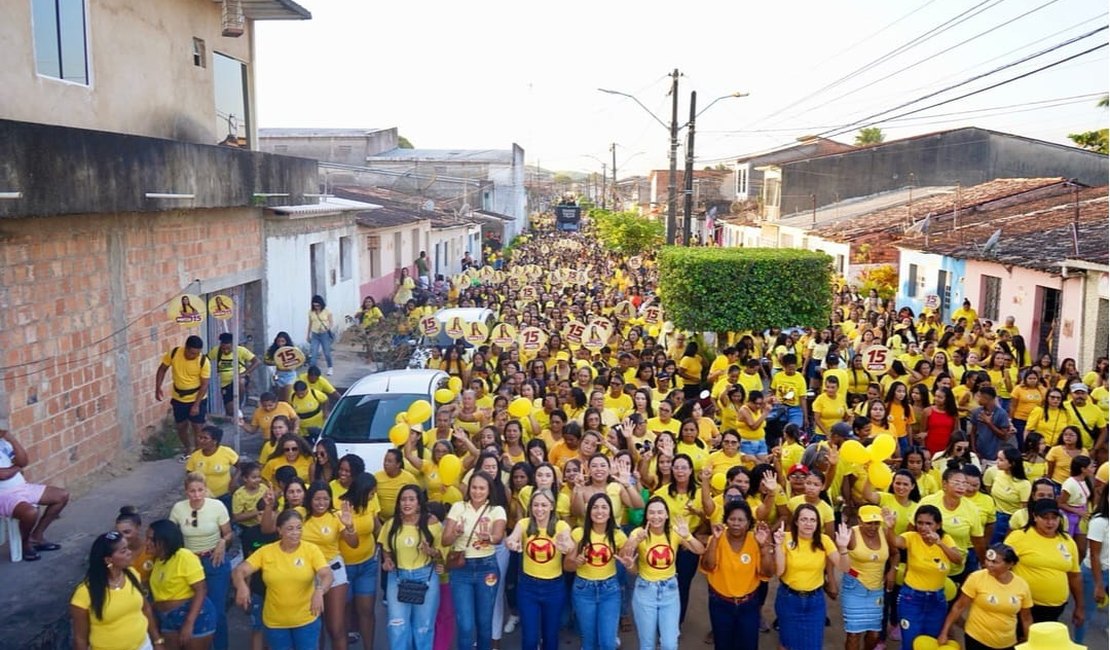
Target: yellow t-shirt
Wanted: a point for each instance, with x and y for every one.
(998, 380)
(898, 420)
(123, 625)
(985, 505)
(825, 512)
(829, 410)
(225, 365)
(541, 559)
(206, 533)
(324, 531)
(746, 432)
(791, 455)
(655, 426)
(1026, 399)
(1009, 494)
(750, 383)
(656, 555)
(1049, 425)
(186, 374)
(321, 384)
(995, 608)
(737, 574)
(173, 579)
(790, 389)
(722, 462)
(869, 563)
(691, 366)
(274, 464)
(405, 547)
(805, 565)
(389, 488)
(1045, 562)
(622, 405)
(960, 524)
(262, 418)
(1093, 418)
(601, 558)
(310, 408)
(698, 455)
(927, 566)
(902, 514)
(245, 501)
(1062, 469)
(290, 579)
(364, 528)
(677, 505)
(216, 468)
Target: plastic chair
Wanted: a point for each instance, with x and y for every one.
(9, 528)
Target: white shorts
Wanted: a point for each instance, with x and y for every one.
(27, 493)
(338, 571)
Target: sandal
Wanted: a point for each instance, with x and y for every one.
(31, 556)
(46, 546)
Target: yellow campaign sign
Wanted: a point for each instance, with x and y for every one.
(476, 333)
(503, 335)
(877, 358)
(429, 326)
(624, 310)
(288, 358)
(573, 331)
(532, 339)
(187, 310)
(221, 307)
(653, 315)
(456, 327)
(596, 336)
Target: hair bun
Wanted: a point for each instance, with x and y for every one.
(128, 511)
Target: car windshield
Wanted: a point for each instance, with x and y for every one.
(367, 418)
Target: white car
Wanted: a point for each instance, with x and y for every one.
(423, 345)
(361, 421)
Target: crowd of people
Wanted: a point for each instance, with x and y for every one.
(566, 479)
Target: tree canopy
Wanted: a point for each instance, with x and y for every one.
(626, 232)
(733, 289)
(1099, 140)
(869, 135)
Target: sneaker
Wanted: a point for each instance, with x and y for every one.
(183, 458)
(894, 632)
(353, 638)
(331, 371)
(510, 625)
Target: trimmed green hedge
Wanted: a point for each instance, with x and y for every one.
(731, 289)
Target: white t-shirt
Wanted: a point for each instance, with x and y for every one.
(7, 459)
(1096, 532)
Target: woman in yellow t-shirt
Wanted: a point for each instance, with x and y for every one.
(869, 570)
(361, 561)
(296, 576)
(1009, 488)
(1050, 419)
(829, 408)
(369, 314)
(1059, 457)
(542, 539)
(411, 553)
(930, 555)
(1049, 562)
(292, 450)
(1026, 398)
(596, 594)
(186, 616)
(804, 563)
(108, 608)
(215, 461)
(994, 598)
(130, 525)
(656, 547)
(325, 527)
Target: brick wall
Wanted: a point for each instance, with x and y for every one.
(83, 324)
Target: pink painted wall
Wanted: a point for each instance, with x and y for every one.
(1019, 299)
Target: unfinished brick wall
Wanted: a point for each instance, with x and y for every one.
(83, 324)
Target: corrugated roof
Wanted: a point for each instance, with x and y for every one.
(800, 151)
(328, 205)
(495, 215)
(1036, 234)
(388, 217)
(306, 132)
(502, 156)
(274, 10)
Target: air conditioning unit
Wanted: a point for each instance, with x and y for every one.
(233, 19)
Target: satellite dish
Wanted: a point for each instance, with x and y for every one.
(992, 242)
(428, 206)
(921, 226)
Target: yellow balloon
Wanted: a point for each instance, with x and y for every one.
(880, 475)
(949, 590)
(450, 469)
(402, 418)
(399, 434)
(445, 396)
(455, 384)
(925, 643)
(419, 412)
(883, 447)
(520, 407)
(853, 452)
(718, 482)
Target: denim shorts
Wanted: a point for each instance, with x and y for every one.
(363, 578)
(205, 625)
(753, 447)
(256, 612)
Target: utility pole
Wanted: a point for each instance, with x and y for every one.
(813, 202)
(604, 179)
(688, 207)
(616, 196)
(672, 206)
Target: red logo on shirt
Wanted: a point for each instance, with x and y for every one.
(540, 549)
(660, 556)
(598, 554)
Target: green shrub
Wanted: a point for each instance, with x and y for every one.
(731, 289)
(626, 232)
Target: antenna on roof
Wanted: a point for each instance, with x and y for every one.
(992, 242)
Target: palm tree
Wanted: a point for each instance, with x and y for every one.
(869, 135)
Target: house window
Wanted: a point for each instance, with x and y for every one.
(911, 286)
(374, 253)
(771, 192)
(200, 54)
(345, 258)
(742, 181)
(990, 294)
(61, 47)
(229, 78)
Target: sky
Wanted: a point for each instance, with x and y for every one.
(485, 75)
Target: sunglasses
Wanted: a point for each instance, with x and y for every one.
(288, 449)
(194, 521)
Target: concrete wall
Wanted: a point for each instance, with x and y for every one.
(1018, 299)
(83, 323)
(393, 258)
(343, 148)
(452, 244)
(288, 283)
(929, 266)
(969, 156)
(142, 77)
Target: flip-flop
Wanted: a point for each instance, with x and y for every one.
(46, 546)
(31, 556)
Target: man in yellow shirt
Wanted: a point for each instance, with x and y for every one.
(729, 356)
(750, 378)
(965, 312)
(1085, 415)
(228, 363)
(309, 405)
(616, 400)
(790, 389)
(190, 374)
(269, 408)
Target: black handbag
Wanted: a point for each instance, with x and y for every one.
(411, 592)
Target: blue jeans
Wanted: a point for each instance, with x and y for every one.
(305, 637)
(363, 578)
(754, 447)
(540, 603)
(218, 580)
(795, 415)
(921, 613)
(735, 625)
(801, 619)
(597, 606)
(1090, 609)
(323, 341)
(473, 590)
(1001, 528)
(412, 627)
(656, 609)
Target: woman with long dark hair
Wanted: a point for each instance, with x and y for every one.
(942, 419)
(357, 489)
(108, 608)
(410, 556)
(542, 539)
(1010, 489)
(596, 594)
(320, 333)
(283, 379)
(179, 592)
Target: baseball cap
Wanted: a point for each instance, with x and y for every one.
(663, 375)
(1045, 507)
(844, 430)
(562, 356)
(797, 467)
(1079, 386)
(870, 514)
